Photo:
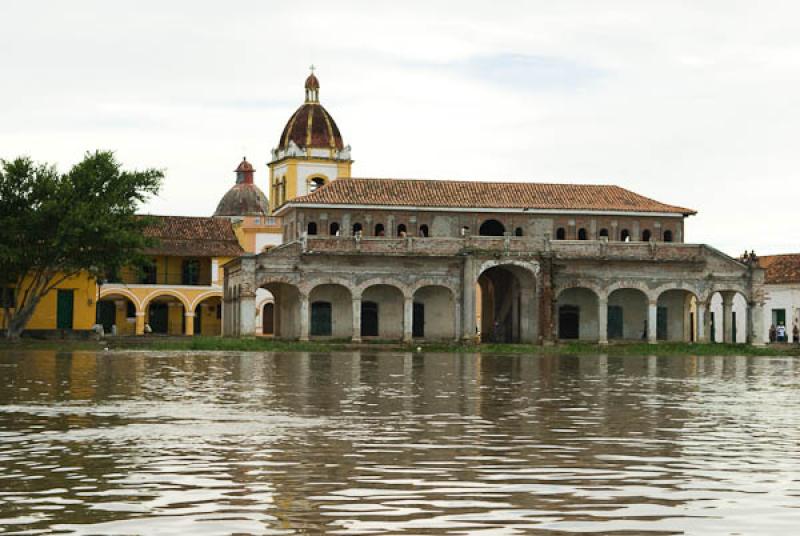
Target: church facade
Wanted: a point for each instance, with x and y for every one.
(394, 259)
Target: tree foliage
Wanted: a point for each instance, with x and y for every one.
(54, 226)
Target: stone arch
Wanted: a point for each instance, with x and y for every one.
(116, 317)
(577, 314)
(336, 319)
(676, 314)
(107, 293)
(383, 309)
(314, 182)
(729, 325)
(161, 317)
(286, 295)
(434, 314)
(207, 320)
(628, 309)
(358, 290)
(505, 308)
(167, 292)
(203, 296)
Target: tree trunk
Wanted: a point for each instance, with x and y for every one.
(19, 319)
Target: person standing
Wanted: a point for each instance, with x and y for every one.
(796, 333)
(781, 333)
(772, 333)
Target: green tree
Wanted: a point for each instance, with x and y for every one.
(54, 226)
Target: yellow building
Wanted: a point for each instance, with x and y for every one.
(180, 290)
(70, 306)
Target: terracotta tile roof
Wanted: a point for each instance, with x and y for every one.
(469, 194)
(781, 269)
(188, 236)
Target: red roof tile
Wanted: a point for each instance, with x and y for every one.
(781, 269)
(491, 195)
(187, 236)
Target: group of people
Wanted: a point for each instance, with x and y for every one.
(779, 333)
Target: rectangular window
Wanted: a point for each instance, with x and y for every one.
(191, 272)
(778, 317)
(147, 273)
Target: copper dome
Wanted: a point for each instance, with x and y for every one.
(311, 126)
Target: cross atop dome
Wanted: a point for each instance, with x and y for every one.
(312, 87)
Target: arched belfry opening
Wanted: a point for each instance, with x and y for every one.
(492, 228)
(506, 305)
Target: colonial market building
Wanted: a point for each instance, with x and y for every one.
(444, 260)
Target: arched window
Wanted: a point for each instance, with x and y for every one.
(423, 230)
(646, 235)
(561, 233)
(379, 229)
(625, 235)
(582, 234)
(667, 236)
(518, 231)
(492, 228)
(334, 229)
(604, 232)
(357, 229)
(311, 229)
(315, 183)
(401, 230)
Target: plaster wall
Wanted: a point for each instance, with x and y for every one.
(341, 308)
(390, 310)
(439, 312)
(586, 302)
(634, 312)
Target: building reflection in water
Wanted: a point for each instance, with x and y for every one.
(389, 441)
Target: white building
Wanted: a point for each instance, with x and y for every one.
(782, 287)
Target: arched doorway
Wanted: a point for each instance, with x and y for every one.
(117, 314)
(505, 310)
(492, 228)
(331, 311)
(676, 318)
(433, 313)
(165, 315)
(382, 312)
(577, 311)
(208, 317)
(627, 314)
(728, 318)
(286, 310)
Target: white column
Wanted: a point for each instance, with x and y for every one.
(757, 327)
(468, 310)
(408, 318)
(457, 319)
(727, 317)
(652, 321)
(356, 319)
(700, 322)
(602, 320)
(304, 317)
(247, 314)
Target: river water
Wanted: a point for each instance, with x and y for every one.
(360, 443)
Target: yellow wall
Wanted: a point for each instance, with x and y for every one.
(83, 306)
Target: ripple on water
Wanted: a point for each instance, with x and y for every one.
(384, 444)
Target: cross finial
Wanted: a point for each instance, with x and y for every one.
(312, 68)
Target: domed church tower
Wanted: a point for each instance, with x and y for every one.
(310, 152)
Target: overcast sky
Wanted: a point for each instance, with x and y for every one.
(694, 103)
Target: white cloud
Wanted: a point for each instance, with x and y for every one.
(690, 103)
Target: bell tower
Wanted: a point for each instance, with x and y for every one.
(310, 152)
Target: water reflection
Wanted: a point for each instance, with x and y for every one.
(360, 443)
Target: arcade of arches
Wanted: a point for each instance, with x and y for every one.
(125, 313)
(489, 298)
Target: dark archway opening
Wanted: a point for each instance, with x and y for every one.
(561, 233)
(418, 322)
(504, 317)
(492, 228)
(667, 236)
(334, 229)
(582, 235)
(312, 228)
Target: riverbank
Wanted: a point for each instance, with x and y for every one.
(269, 345)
